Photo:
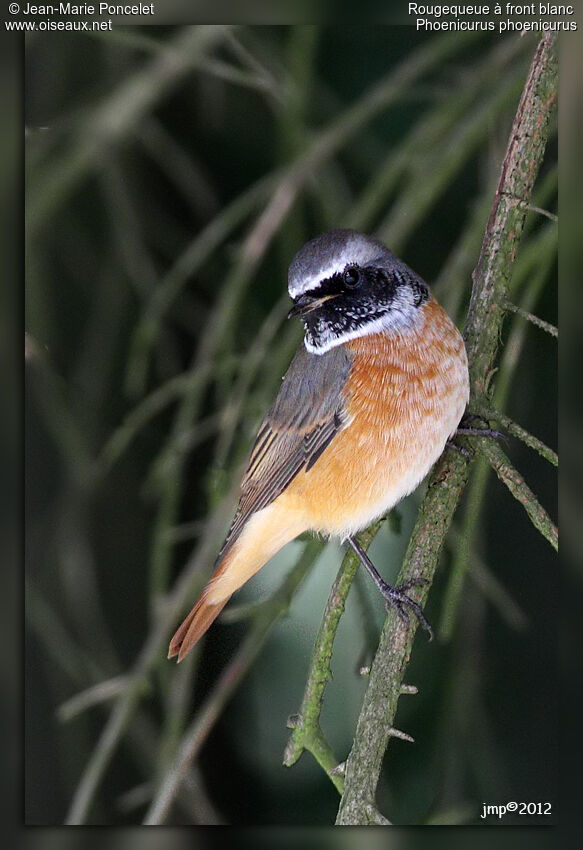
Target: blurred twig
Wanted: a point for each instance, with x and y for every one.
(118, 115)
(102, 692)
(433, 171)
(138, 677)
(265, 617)
(327, 142)
(307, 732)
(491, 587)
(251, 362)
(81, 668)
(181, 167)
(187, 264)
(164, 395)
(54, 636)
(450, 286)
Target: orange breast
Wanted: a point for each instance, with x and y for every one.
(405, 396)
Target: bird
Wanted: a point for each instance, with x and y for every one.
(376, 389)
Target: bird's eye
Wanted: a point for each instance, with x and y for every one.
(351, 277)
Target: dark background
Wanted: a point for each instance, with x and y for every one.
(118, 189)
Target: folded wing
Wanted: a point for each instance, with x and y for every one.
(310, 409)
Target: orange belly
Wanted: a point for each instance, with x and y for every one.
(406, 395)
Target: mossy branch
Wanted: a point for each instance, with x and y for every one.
(307, 733)
(504, 229)
(535, 320)
(521, 491)
(387, 672)
(521, 433)
(448, 479)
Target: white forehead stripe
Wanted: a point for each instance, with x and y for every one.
(356, 251)
(307, 283)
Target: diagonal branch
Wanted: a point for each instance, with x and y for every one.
(518, 431)
(520, 490)
(486, 312)
(535, 320)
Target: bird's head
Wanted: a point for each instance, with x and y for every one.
(345, 285)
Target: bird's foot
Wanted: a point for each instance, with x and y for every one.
(482, 429)
(465, 429)
(395, 597)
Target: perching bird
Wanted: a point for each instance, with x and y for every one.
(374, 392)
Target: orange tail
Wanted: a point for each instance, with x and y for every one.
(263, 535)
(194, 626)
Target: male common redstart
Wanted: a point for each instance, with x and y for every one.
(370, 399)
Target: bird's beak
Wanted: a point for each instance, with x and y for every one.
(306, 303)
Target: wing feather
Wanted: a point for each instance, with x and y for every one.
(310, 409)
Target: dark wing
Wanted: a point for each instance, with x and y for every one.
(308, 412)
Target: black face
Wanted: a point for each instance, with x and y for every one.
(343, 304)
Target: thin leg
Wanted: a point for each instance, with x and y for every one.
(394, 596)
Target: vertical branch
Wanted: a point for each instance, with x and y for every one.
(486, 311)
(519, 169)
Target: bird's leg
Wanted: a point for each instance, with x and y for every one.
(394, 596)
